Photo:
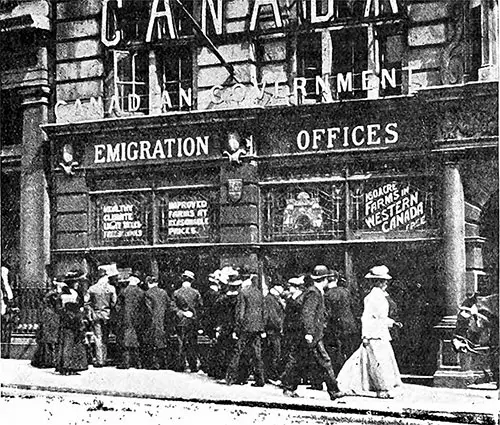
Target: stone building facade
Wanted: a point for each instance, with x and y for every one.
(269, 134)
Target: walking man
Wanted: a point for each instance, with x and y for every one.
(101, 297)
(275, 312)
(313, 322)
(249, 331)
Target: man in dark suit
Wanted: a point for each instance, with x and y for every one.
(130, 312)
(313, 322)
(158, 308)
(189, 303)
(250, 326)
(341, 333)
(275, 311)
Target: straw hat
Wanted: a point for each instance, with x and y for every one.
(296, 281)
(109, 269)
(378, 272)
(188, 275)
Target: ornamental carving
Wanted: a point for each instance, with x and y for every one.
(478, 118)
(454, 56)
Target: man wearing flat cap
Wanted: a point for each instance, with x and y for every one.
(313, 322)
(189, 304)
(101, 297)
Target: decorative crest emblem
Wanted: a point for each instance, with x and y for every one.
(235, 187)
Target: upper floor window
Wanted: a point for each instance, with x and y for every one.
(131, 80)
(483, 28)
(175, 72)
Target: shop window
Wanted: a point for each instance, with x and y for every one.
(175, 73)
(11, 118)
(304, 213)
(390, 206)
(187, 216)
(131, 80)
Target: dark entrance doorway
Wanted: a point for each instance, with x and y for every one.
(417, 294)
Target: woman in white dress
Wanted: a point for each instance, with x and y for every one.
(373, 366)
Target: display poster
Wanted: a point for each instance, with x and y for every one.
(394, 206)
(186, 218)
(121, 220)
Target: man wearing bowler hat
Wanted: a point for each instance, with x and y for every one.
(189, 304)
(313, 322)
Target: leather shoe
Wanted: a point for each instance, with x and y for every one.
(258, 384)
(337, 395)
(290, 393)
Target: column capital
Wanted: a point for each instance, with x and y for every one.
(38, 95)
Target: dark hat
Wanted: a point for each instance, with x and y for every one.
(73, 275)
(320, 272)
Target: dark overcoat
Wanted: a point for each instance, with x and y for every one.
(275, 314)
(250, 310)
(339, 312)
(158, 308)
(130, 314)
(313, 314)
(71, 350)
(188, 299)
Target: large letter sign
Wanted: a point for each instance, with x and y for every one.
(215, 11)
(276, 11)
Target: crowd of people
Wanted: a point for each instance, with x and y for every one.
(302, 331)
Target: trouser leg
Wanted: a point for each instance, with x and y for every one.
(291, 375)
(324, 362)
(258, 364)
(191, 343)
(101, 337)
(234, 362)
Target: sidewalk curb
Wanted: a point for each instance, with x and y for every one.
(405, 413)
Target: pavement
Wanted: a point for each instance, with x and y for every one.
(474, 406)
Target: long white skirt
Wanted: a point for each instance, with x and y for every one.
(371, 368)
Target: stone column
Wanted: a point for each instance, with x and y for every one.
(453, 239)
(450, 370)
(34, 210)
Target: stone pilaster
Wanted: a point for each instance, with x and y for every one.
(34, 211)
(239, 213)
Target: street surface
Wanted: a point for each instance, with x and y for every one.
(20, 407)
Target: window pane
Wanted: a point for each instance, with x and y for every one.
(309, 61)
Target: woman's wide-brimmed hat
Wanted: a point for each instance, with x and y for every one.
(109, 270)
(379, 272)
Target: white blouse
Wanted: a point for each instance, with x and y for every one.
(375, 320)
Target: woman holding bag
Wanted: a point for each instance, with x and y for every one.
(373, 366)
